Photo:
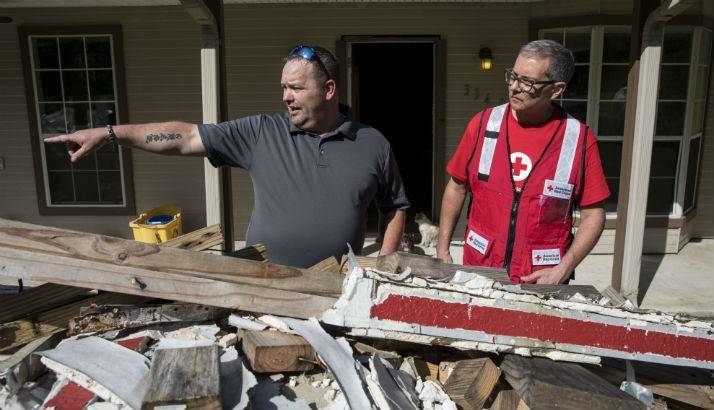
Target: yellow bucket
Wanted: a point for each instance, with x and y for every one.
(157, 225)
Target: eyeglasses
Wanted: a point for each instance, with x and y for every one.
(526, 84)
(308, 53)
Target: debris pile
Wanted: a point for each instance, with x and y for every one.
(399, 332)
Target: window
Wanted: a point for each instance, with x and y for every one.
(74, 83)
(680, 106)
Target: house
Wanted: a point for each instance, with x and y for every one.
(410, 69)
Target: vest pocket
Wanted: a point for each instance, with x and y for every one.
(488, 210)
(553, 218)
(477, 246)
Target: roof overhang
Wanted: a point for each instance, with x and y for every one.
(13, 4)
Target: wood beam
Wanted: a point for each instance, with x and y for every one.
(649, 18)
(546, 384)
(101, 262)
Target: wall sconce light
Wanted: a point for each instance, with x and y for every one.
(486, 57)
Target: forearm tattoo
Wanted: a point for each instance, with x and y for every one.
(162, 137)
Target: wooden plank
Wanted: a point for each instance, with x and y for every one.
(108, 317)
(38, 299)
(198, 240)
(101, 262)
(363, 261)
(428, 267)
(137, 255)
(20, 332)
(427, 370)
(470, 382)
(275, 352)
(563, 292)
(508, 400)
(255, 252)
(691, 386)
(327, 265)
(615, 297)
(188, 376)
(546, 384)
(392, 357)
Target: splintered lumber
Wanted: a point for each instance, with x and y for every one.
(563, 292)
(38, 299)
(428, 267)
(186, 376)
(392, 357)
(616, 299)
(508, 400)
(425, 369)
(363, 261)
(327, 265)
(20, 332)
(198, 240)
(470, 382)
(101, 262)
(493, 317)
(255, 252)
(546, 384)
(107, 317)
(275, 352)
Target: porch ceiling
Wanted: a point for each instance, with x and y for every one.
(10, 4)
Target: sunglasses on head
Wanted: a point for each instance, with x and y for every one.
(309, 53)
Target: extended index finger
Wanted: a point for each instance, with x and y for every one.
(58, 138)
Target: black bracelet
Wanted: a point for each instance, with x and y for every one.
(111, 137)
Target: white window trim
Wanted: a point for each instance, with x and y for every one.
(594, 80)
(45, 172)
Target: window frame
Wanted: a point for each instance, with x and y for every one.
(40, 170)
(598, 30)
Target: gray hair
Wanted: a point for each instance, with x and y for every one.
(562, 62)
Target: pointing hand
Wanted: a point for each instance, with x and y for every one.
(80, 143)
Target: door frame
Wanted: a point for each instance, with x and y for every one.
(348, 96)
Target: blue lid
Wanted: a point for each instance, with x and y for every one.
(159, 219)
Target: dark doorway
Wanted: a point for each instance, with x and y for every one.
(393, 91)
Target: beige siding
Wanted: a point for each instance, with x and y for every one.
(162, 66)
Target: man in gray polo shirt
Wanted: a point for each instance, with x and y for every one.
(314, 170)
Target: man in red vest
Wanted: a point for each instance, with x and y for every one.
(528, 165)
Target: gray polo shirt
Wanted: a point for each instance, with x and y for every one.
(311, 193)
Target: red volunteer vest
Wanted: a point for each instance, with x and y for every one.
(531, 229)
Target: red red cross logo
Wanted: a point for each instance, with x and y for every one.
(519, 166)
(471, 237)
(538, 258)
(550, 187)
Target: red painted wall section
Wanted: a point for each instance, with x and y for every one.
(71, 397)
(497, 321)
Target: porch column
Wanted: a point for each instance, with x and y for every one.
(209, 15)
(640, 114)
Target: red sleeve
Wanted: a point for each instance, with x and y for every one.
(460, 161)
(594, 184)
